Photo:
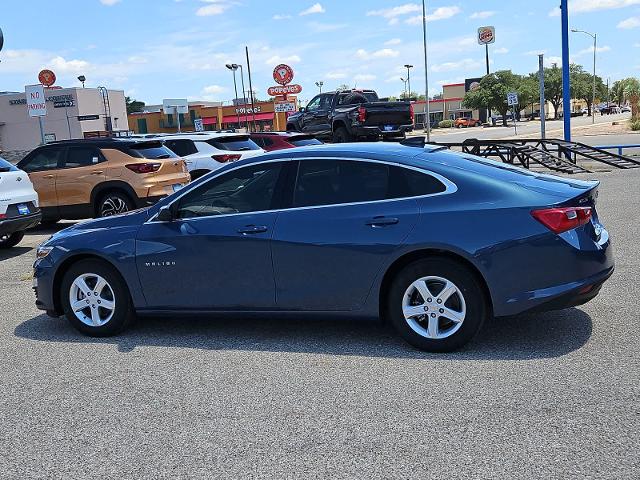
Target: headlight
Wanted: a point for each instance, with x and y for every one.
(42, 252)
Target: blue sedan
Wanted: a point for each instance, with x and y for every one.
(430, 240)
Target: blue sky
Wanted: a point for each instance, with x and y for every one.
(178, 48)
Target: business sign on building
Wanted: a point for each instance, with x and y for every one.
(283, 74)
(36, 103)
(292, 89)
(284, 107)
(486, 35)
(198, 125)
(171, 106)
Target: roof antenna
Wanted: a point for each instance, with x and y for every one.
(419, 142)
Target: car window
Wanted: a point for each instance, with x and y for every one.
(248, 189)
(302, 141)
(314, 104)
(325, 102)
(267, 141)
(6, 166)
(405, 182)
(153, 150)
(329, 182)
(45, 159)
(82, 157)
(181, 147)
(233, 143)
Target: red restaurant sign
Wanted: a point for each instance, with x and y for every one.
(283, 74)
(284, 90)
(47, 78)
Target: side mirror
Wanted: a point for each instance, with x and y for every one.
(302, 109)
(165, 214)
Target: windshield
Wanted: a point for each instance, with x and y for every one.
(234, 144)
(302, 141)
(6, 166)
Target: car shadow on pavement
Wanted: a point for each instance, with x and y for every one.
(13, 252)
(543, 335)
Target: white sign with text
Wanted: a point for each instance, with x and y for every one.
(36, 103)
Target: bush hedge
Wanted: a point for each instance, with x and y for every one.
(445, 124)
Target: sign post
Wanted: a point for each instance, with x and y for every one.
(176, 106)
(36, 105)
(543, 114)
(512, 101)
(487, 35)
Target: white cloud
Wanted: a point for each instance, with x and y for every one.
(137, 59)
(393, 41)
(382, 53)
(631, 22)
(464, 64)
(364, 77)
(315, 8)
(483, 14)
(281, 17)
(109, 3)
(215, 7)
(589, 50)
(393, 12)
(440, 13)
(336, 75)
(501, 50)
(213, 89)
(59, 64)
(276, 59)
(584, 6)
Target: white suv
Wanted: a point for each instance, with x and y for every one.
(208, 151)
(19, 208)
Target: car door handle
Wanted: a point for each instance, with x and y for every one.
(252, 229)
(47, 176)
(382, 221)
(97, 172)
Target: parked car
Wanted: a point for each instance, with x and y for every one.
(19, 208)
(467, 122)
(432, 240)
(346, 116)
(97, 178)
(208, 151)
(625, 109)
(271, 141)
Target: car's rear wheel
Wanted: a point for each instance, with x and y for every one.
(95, 299)
(114, 203)
(341, 135)
(11, 239)
(196, 174)
(437, 304)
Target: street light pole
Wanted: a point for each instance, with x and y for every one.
(319, 85)
(595, 46)
(244, 100)
(405, 87)
(426, 71)
(233, 67)
(409, 78)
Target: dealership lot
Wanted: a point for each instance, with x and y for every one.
(544, 395)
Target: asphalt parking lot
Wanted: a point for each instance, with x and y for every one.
(553, 395)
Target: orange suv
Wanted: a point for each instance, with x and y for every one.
(466, 122)
(97, 178)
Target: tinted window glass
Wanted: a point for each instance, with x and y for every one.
(314, 104)
(328, 182)
(301, 142)
(235, 144)
(82, 157)
(267, 142)
(181, 148)
(404, 182)
(46, 159)
(6, 166)
(249, 189)
(152, 150)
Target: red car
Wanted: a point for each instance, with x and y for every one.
(467, 122)
(279, 140)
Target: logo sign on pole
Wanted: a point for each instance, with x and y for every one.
(36, 103)
(512, 98)
(283, 74)
(198, 125)
(292, 89)
(486, 35)
(284, 107)
(172, 106)
(47, 78)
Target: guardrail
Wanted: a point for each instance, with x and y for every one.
(619, 148)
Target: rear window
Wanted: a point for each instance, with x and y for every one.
(153, 150)
(404, 182)
(302, 141)
(6, 166)
(234, 144)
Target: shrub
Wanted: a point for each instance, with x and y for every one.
(445, 124)
(635, 124)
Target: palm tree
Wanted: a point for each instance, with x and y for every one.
(632, 92)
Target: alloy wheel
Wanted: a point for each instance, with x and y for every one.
(113, 206)
(92, 299)
(434, 307)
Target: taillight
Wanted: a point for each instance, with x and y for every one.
(148, 167)
(560, 220)
(226, 158)
(411, 111)
(362, 114)
(3, 215)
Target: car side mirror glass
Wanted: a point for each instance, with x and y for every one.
(165, 214)
(302, 109)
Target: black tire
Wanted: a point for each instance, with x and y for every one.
(196, 174)
(11, 240)
(473, 297)
(49, 221)
(291, 127)
(113, 203)
(123, 312)
(341, 135)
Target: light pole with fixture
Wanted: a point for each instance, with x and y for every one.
(405, 87)
(407, 66)
(319, 85)
(244, 95)
(426, 71)
(233, 67)
(595, 44)
(82, 79)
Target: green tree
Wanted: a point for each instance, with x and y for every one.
(617, 91)
(632, 92)
(582, 85)
(492, 92)
(133, 106)
(553, 88)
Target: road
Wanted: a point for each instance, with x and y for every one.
(552, 395)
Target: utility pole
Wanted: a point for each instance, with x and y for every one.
(543, 114)
(426, 71)
(566, 83)
(253, 108)
(408, 67)
(595, 46)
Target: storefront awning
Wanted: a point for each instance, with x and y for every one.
(210, 120)
(249, 118)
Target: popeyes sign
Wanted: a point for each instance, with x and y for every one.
(486, 35)
(283, 74)
(292, 89)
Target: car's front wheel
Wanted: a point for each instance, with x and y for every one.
(95, 298)
(437, 304)
(114, 203)
(11, 239)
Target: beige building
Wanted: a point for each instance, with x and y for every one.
(71, 113)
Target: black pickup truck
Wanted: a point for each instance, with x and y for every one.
(351, 115)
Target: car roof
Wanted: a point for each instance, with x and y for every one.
(281, 134)
(202, 136)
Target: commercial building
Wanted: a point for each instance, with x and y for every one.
(449, 107)
(71, 113)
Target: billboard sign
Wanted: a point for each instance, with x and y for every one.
(283, 74)
(171, 106)
(292, 89)
(486, 35)
(36, 103)
(47, 77)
